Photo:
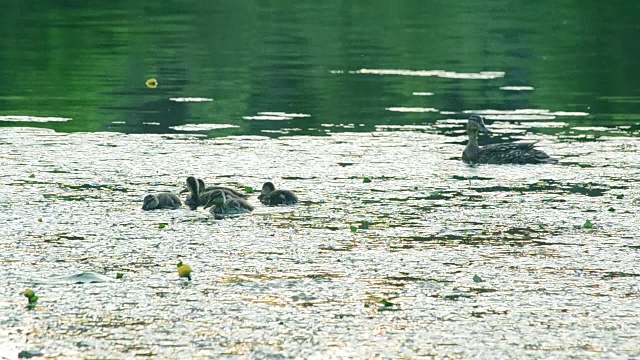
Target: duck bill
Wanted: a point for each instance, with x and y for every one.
(484, 129)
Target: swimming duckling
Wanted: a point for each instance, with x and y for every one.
(193, 199)
(231, 191)
(270, 196)
(506, 153)
(197, 186)
(161, 201)
(222, 203)
(198, 197)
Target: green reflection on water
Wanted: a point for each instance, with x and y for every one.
(90, 64)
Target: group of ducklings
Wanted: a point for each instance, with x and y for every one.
(225, 201)
(221, 201)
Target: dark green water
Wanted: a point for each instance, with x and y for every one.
(428, 258)
(90, 64)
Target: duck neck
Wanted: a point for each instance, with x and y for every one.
(473, 137)
(472, 150)
(192, 185)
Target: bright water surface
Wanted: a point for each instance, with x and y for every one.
(446, 260)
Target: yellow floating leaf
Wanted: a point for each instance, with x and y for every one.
(152, 83)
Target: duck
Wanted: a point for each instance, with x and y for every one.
(163, 200)
(202, 188)
(223, 203)
(199, 196)
(270, 196)
(504, 153)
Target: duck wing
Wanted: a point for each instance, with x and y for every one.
(514, 153)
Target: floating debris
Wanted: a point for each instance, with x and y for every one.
(184, 270)
(32, 297)
(202, 127)
(517, 88)
(411, 109)
(190, 99)
(275, 115)
(483, 75)
(37, 119)
(152, 83)
(364, 225)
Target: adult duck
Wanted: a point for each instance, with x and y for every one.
(505, 153)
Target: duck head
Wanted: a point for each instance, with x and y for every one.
(476, 124)
(150, 202)
(267, 188)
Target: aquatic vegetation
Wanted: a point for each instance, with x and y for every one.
(151, 83)
(364, 225)
(387, 305)
(32, 297)
(366, 180)
(421, 238)
(587, 224)
(184, 270)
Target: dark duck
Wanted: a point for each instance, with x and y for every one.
(161, 201)
(270, 196)
(504, 153)
(199, 195)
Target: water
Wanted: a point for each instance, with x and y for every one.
(432, 258)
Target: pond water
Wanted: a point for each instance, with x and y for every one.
(397, 248)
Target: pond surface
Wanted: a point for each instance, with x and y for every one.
(397, 248)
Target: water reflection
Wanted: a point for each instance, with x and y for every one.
(330, 61)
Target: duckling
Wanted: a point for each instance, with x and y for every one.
(223, 203)
(506, 153)
(193, 199)
(161, 201)
(199, 197)
(270, 196)
(193, 184)
(231, 191)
